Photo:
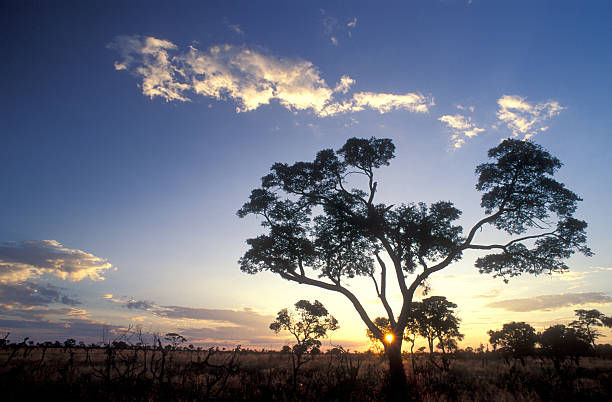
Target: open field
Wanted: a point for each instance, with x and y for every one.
(36, 373)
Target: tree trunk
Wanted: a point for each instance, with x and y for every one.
(430, 343)
(397, 376)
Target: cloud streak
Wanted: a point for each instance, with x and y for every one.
(241, 318)
(548, 302)
(523, 118)
(31, 294)
(249, 78)
(20, 261)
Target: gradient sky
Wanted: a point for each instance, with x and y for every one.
(132, 132)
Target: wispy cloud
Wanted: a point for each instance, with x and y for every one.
(547, 302)
(78, 327)
(490, 294)
(20, 261)
(248, 77)
(246, 317)
(462, 127)
(470, 108)
(523, 118)
(579, 275)
(235, 28)
(41, 313)
(333, 30)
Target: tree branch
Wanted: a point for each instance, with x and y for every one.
(383, 290)
(504, 246)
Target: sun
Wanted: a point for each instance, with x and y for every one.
(389, 338)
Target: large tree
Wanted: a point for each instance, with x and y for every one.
(324, 226)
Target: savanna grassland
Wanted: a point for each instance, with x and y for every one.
(159, 374)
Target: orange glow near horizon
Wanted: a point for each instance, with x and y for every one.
(389, 338)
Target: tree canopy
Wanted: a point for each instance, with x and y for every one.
(517, 338)
(313, 321)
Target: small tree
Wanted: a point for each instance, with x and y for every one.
(312, 323)
(321, 232)
(436, 320)
(175, 339)
(587, 323)
(516, 338)
(383, 324)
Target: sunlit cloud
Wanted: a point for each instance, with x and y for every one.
(462, 127)
(249, 78)
(20, 261)
(344, 85)
(523, 118)
(548, 302)
(76, 312)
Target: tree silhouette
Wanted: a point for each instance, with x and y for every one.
(321, 232)
(560, 342)
(516, 338)
(175, 339)
(313, 321)
(436, 320)
(587, 322)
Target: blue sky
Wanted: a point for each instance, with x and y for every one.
(133, 131)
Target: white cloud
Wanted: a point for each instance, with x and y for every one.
(352, 23)
(152, 63)
(249, 78)
(32, 258)
(384, 102)
(525, 119)
(334, 40)
(462, 127)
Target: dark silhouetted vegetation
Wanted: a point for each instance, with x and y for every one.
(142, 370)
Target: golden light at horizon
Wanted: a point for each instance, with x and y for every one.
(389, 338)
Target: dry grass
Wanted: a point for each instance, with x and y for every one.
(137, 374)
